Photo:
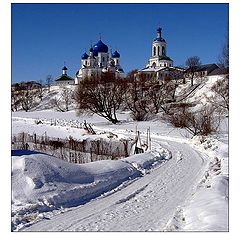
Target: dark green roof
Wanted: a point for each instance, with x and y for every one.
(64, 78)
(164, 58)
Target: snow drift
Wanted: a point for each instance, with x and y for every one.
(43, 183)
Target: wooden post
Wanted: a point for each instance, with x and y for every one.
(149, 139)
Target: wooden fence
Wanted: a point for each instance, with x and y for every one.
(72, 150)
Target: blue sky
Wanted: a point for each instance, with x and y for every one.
(46, 35)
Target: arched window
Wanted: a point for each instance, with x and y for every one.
(154, 65)
(154, 51)
(158, 51)
(163, 51)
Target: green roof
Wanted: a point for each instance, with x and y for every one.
(64, 78)
(164, 58)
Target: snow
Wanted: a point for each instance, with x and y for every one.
(146, 204)
(44, 183)
(180, 185)
(208, 207)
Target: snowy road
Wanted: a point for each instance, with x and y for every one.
(146, 204)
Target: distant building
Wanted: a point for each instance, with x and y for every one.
(99, 60)
(159, 65)
(30, 85)
(64, 79)
(207, 70)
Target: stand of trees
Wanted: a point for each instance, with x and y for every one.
(105, 95)
(65, 100)
(192, 64)
(25, 95)
(102, 96)
(201, 122)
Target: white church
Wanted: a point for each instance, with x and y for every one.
(101, 60)
(159, 65)
(98, 61)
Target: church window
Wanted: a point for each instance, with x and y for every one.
(163, 51)
(103, 59)
(154, 51)
(117, 61)
(158, 51)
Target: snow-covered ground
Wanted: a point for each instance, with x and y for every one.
(152, 192)
(181, 184)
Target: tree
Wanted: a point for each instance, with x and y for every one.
(220, 97)
(102, 96)
(15, 100)
(136, 98)
(40, 89)
(27, 96)
(49, 81)
(201, 122)
(132, 75)
(65, 100)
(223, 59)
(192, 63)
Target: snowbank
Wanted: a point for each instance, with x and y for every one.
(207, 209)
(42, 183)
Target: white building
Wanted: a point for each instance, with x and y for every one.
(64, 79)
(159, 65)
(98, 61)
(159, 56)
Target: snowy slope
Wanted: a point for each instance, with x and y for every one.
(189, 192)
(43, 183)
(207, 209)
(144, 205)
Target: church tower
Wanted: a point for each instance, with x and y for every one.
(159, 56)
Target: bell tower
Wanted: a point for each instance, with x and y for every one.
(159, 52)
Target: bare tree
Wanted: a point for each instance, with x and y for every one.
(15, 100)
(220, 97)
(40, 90)
(192, 63)
(223, 59)
(102, 96)
(201, 122)
(27, 96)
(65, 100)
(136, 98)
(49, 81)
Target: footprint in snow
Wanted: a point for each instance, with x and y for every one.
(179, 156)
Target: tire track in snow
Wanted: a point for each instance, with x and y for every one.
(151, 200)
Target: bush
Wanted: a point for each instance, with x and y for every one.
(202, 122)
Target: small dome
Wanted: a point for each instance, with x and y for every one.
(91, 49)
(64, 68)
(100, 47)
(115, 54)
(84, 56)
(159, 40)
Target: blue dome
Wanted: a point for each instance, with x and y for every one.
(115, 54)
(84, 56)
(159, 40)
(99, 47)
